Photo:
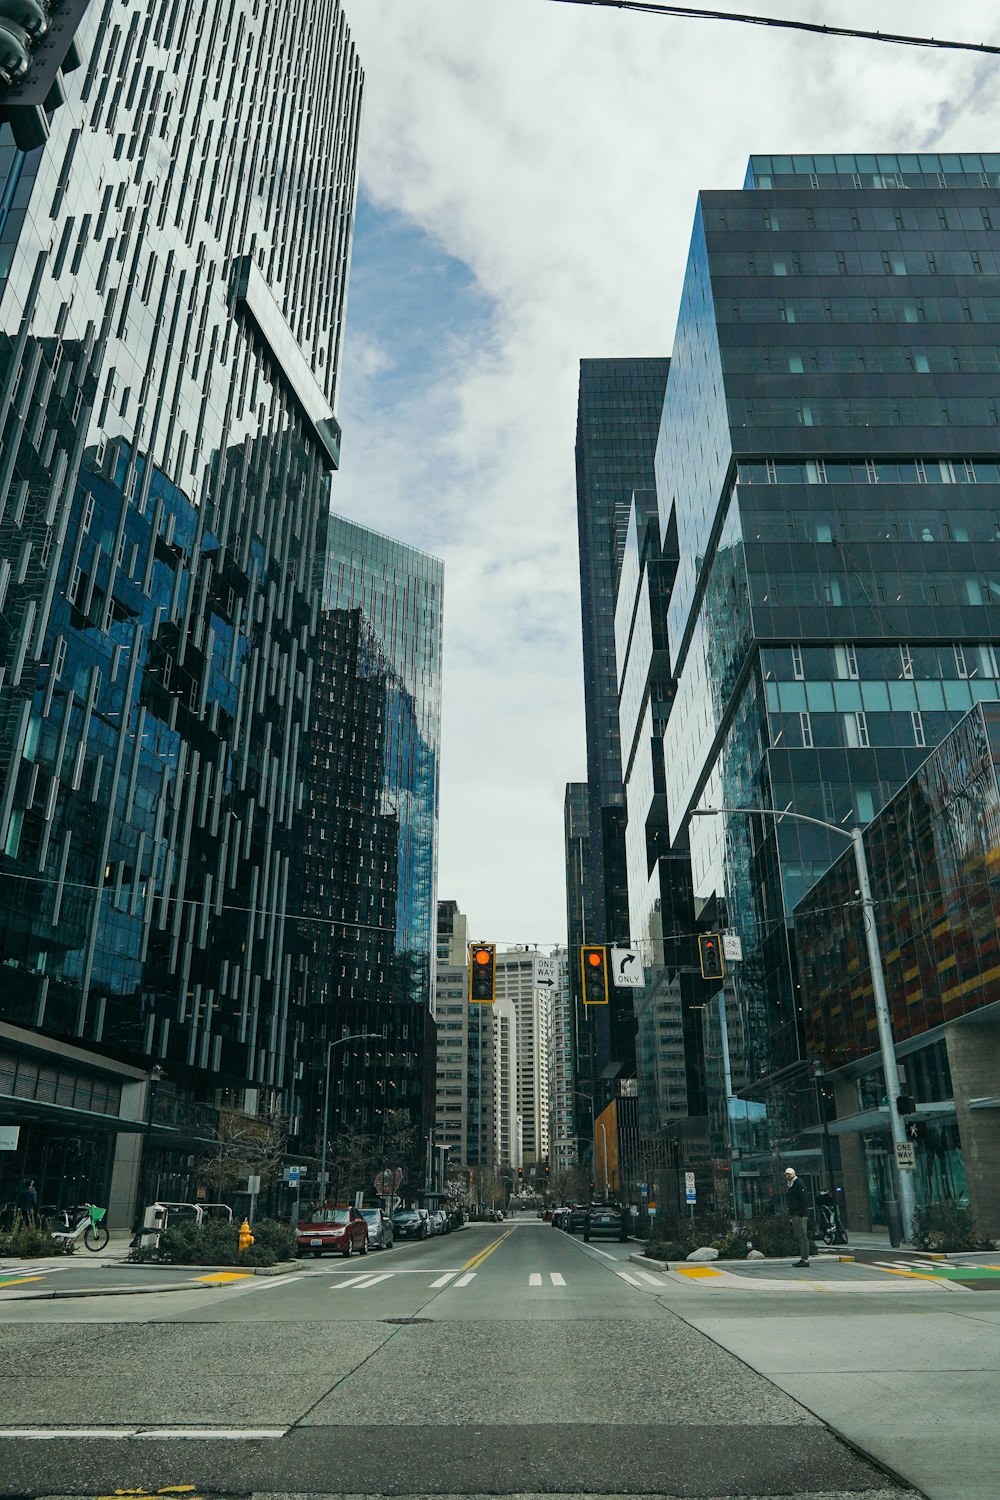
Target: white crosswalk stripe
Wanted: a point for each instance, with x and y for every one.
(535, 1279)
(556, 1278)
(361, 1283)
(464, 1280)
(651, 1279)
(631, 1281)
(442, 1280)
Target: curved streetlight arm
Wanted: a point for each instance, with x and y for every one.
(356, 1036)
(887, 1046)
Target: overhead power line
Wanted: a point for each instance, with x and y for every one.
(698, 13)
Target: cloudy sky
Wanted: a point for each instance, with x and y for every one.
(529, 170)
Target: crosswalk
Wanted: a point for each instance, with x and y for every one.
(458, 1281)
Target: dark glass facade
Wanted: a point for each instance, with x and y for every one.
(828, 462)
(370, 865)
(617, 420)
(934, 858)
(173, 269)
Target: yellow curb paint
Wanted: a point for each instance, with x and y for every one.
(477, 1260)
(177, 1489)
(846, 1260)
(226, 1276)
(696, 1271)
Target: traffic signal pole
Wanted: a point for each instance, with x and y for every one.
(903, 1180)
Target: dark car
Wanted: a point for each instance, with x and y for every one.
(326, 1230)
(409, 1224)
(560, 1218)
(608, 1219)
(380, 1236)
(577, 1218)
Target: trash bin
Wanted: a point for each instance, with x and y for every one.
(154, 1221)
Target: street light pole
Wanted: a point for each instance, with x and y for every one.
(887, 1048)
(357, 1036)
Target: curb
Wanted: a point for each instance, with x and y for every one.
(123, 1291)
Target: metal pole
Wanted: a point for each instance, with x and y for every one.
(904, 1181)
(357, 1036)
(604, 1163)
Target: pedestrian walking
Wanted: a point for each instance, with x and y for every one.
(798, 1208)
(27, 1197)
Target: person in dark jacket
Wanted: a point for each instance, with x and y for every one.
(27, 1197)
(798, 1208)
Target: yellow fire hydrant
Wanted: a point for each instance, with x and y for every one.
(246, 1238)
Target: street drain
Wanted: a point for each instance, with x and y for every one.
(407, 1320)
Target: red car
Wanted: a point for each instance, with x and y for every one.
(328, 1229)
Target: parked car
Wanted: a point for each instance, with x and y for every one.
(407, 1224)
(560, 1217)
(380, 1235)
(327, 1230)
(608, 1219)
(577, 1218)
(441, 1219)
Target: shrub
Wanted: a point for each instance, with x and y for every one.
(949, 1226)
(771, 1234)
(216, 1242)
(27, 1239)
(668, 1249)
(733, 1245)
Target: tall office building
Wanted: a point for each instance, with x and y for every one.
(563, 1143)
(517, 982)
(173, 273)
(370, 852)
(464, 1049)
(618, 414)
(828, 461)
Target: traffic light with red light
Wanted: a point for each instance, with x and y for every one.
(594, 973)
(710, 953)
(482, 973)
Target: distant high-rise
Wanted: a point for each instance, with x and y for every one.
(517, 982)
(172, 287)
(618, 416)
(370, 853)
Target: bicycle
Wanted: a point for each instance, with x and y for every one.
(89, 1224)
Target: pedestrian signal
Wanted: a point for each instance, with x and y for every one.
(594, 967)
(482, 973)
(710, 953)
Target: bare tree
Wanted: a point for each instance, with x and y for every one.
(245, 1145)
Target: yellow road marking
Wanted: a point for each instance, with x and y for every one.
(478, 1259)
(914, 1275)
(17, 1281)
(225, 1276)
(698, 1271)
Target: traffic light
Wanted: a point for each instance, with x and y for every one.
(710, 954)
(482, 973)
(520, 1173)
(906, 1104)
(594, 967)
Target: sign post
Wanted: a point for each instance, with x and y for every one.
(690, 1196)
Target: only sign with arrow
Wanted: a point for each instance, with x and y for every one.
(626, 968)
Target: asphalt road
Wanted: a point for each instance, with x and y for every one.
(508, 1359)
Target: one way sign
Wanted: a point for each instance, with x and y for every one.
(545, 973)
(626, 968)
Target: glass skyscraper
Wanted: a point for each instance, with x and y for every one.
(829, 459)
(370, 861)
(173, 271)
(617, 419)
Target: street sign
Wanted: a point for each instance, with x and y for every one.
(732, 947)
(253, 1185)
(394, 1203)
(8, 1137)
(546, 973)
(689, 1193)
(906, 1156)
(293, 1174)
(626, 968)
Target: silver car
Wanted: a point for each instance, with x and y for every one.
(380, 1235)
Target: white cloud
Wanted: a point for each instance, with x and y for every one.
(557, 151)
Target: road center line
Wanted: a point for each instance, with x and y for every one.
(477, 1260)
